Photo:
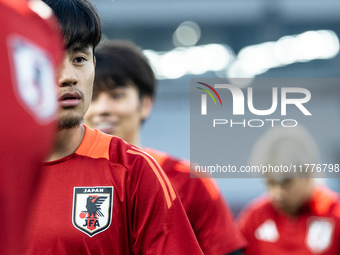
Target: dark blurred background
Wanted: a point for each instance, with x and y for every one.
(227, 38)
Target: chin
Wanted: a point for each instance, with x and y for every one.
(279, 207)
(69, 123)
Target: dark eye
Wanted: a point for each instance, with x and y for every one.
(118, 95)
(79, 60)
(286, 182)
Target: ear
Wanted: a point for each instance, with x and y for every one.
(146, 107)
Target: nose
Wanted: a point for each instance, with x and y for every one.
(277, 193)
(66, 74)
(102, 105)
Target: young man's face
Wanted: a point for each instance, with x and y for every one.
(288, 195)
(75, 80)
(118, 112)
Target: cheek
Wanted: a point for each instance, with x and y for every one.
(127, 109)
(89, 74)
(273, 195)
(88, 115)
(293, 197)
(89, 84)
(88, 96)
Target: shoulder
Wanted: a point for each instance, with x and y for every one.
(256, 210)
(96, 144)
(130, 156)
(145, 175)
(176, 169)
(167, 162)
(183, 177)
(325, 202)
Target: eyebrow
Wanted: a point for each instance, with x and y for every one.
(85, 49)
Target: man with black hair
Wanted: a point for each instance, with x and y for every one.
(123, 95)
(99, 194)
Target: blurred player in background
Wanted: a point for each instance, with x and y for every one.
(123, 96)
(30, 49)
(296, 217)
(99, 194)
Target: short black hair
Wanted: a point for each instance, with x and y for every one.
(119, 62)
(79, 22)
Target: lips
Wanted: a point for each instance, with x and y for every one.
(106, 127)
(69, 99)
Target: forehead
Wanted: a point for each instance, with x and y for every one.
(107, 83)
(280, 181)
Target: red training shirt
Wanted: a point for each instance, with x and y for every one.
(30, 49)
(316, 230)
(108, 198)
(209, 214)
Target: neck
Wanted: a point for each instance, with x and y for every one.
(135, 141)
(132, 138)
(305, 200)
(66, 143)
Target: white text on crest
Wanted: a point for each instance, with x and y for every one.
(93, 190)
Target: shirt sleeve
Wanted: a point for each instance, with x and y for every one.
(212, 219)
(160, 225)
(248, 222)
(243, 222)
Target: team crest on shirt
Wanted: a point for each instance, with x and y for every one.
(319, 234)
(92, 209)
(33, 78)
(267, 232)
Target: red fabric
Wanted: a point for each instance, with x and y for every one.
(143, 222)
(24, 140)
(20, 6)
(209, 214)
(316, 230)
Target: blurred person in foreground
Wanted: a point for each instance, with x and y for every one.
(123, 96)
(99, 194)
(31, 48)
(297, 216)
